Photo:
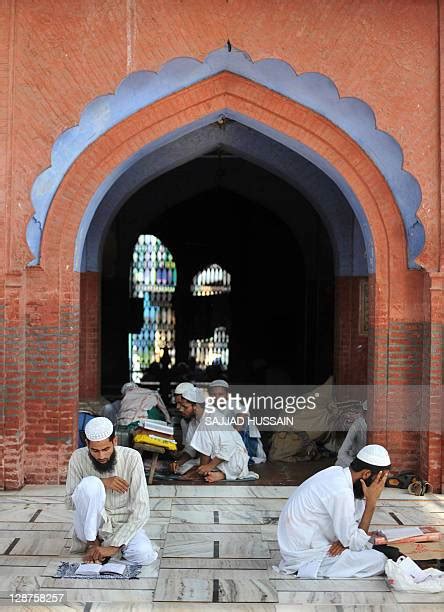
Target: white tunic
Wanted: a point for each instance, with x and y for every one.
(223, 442)
(321, 511)
(188, 431)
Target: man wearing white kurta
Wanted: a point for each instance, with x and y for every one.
(187, 458)
(248, 430)
(106, 487)
(223, 453)
(323, 527)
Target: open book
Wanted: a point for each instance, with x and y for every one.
(94, 569)
(407, 534)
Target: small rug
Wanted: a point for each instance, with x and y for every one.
(67, 570)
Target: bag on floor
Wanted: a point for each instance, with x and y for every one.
(405, 575)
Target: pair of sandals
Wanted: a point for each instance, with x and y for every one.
(409, 480)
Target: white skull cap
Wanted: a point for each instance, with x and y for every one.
(194, 395)
(99, 428)
(374, 454)
(219, 383)
(183, 386)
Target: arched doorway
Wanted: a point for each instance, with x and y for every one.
(378, 209)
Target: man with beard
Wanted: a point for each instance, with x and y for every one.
(106, 488)
(187, 458)
(323, 530)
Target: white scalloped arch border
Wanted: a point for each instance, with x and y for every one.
(312, 90)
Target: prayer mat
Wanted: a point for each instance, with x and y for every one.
(67, 570)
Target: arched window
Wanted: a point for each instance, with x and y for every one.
(211, 281)
(153, 278)
(209, 351)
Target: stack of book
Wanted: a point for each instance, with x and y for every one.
(156, 433)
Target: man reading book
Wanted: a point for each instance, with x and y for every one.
(106, 487)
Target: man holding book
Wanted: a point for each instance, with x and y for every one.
(106, 487)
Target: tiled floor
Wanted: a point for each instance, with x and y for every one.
(218, 546)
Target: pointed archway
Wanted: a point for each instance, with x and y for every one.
(392, 237)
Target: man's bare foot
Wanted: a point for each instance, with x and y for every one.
(215, 476)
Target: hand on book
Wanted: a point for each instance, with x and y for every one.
(98, 553)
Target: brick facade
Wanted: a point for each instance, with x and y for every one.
(49, 322)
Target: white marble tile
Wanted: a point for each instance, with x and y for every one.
(38, 532)
(36, 545)
(112, 595)
(26, 526)
(55, 514)
(243, 546)
(424, 598)
(188, 589)
(322, 585)
(32, 560)
(160, 504)
(336, 598)
(221, 490)
(156, 531)
(19, 512)
(14, 570)
(77, 583)
(38, 491)
(219, 607)
(211, 527)
(214, 573)
(117, 607)
(189, 545)
(197, 564)
(216, 503)
(19, 499)
(237, 516)
(246, 590)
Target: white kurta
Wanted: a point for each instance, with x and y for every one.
(223, 442)
(188, 431)
(321, 511)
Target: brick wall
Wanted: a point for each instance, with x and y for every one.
(90, 334)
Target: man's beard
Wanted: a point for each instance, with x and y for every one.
(357, 487)
(104, 467)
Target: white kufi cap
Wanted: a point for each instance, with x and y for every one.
(194, 395)
(219, 383)
(99, 428)
(183, 386)
(374, 454)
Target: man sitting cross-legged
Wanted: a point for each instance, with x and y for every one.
(187, 458)
(106, 487)
(222, 451)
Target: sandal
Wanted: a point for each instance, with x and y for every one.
(420, 487)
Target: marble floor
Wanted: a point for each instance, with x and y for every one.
(217, 548)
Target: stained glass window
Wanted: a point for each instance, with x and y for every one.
(209, 351)
(211, 281)
(153, 278)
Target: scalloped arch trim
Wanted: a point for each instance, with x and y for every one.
(313, 90)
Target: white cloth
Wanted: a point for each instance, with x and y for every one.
(188, 431)
(321, 511)
(224, 442)
(89, 504)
